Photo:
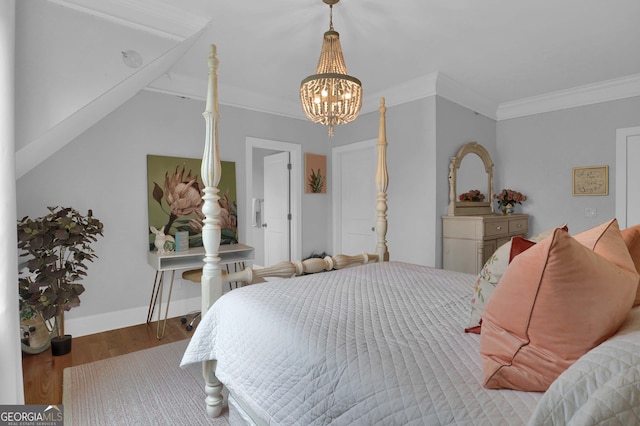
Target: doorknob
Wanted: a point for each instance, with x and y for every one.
(373, 229)
(264, 225)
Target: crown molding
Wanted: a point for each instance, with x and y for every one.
(408, 91)
(411, 90)
(150, 16)
(604, 91)
(421, 87)
(428, 85)
(193, 88)
(456, 92)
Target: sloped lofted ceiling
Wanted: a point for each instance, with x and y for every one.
(492, 56)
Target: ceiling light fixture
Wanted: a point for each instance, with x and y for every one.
(330, 96)
(131, 58)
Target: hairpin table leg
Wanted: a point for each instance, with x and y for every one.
(159, 330)
(157, 281)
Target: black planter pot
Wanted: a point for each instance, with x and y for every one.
(61, 345)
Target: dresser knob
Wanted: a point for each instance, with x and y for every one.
(498, 227)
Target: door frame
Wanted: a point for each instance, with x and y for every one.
(278, 166)
(336, 163)
(295, 152)
(622, 135)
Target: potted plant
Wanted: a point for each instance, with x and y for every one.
(59, 245)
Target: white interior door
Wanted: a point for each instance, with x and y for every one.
(628, 176)
(276, 212)
(354, 199)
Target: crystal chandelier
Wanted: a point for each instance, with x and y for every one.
(330, 96)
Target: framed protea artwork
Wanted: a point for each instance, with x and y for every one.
(175, 199)
(315, 174)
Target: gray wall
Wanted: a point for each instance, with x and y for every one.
(535, 155)
(411, 143)
(104, 169)
(456, 126)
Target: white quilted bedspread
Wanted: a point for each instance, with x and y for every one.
(380, 344)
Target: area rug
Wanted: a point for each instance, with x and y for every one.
(141, 388)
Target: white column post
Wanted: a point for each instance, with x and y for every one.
(11, 387)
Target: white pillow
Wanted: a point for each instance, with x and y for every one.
(602, 386)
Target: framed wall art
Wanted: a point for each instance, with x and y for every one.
(592, 180)
(315, 174)
(174, 199)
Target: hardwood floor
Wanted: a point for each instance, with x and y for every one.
(42, 373)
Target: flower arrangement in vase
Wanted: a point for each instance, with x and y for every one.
(472, 195)
(507, 200)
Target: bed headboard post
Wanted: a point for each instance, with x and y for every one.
(382, 180)
(211, 281)
(211, 275)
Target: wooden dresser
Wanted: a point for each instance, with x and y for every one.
(468, 241)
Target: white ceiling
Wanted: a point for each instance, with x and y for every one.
(501, 51)
(502, 59)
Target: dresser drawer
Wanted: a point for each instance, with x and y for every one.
(518, 226)
(494, 228)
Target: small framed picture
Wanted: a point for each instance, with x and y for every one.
(591, 180)
(315, 174)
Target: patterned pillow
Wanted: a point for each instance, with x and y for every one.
(486, 282)
(489, 276)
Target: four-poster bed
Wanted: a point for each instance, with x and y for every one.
(212, 278)
(378, 343)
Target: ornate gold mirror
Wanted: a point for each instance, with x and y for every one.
(473, 204)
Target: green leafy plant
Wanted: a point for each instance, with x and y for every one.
(316, 181)
(59, 247)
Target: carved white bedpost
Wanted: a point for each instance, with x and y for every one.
(382, 180)
(211, 280)
(451, 211)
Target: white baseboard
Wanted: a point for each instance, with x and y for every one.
(92, 324)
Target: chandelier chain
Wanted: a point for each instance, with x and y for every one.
(331, 17)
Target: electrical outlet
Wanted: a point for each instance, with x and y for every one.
(590, 212)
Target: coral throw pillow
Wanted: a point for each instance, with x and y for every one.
(631, 237)
(555, 302)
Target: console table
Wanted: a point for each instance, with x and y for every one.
(189, 259)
